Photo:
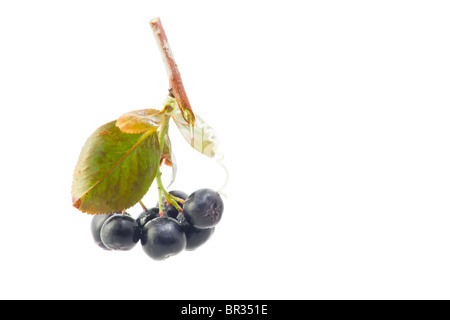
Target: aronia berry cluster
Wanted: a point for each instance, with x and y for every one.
(162, 236)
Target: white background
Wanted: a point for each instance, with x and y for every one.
(333, 117)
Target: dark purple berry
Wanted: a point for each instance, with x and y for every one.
(120, 232)
(203, 208)
(146, 216)
(96, 226)
(162, 237)
(195, 237)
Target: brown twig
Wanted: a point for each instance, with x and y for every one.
(175, 82)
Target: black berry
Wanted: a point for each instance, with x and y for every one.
(162, 237)
(203, 208)
(195, 237)
(146, 216)
(96, 226)
(120, 232)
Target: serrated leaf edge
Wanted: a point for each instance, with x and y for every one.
(76, 202)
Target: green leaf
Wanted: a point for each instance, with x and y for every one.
(202, 137)
(114, 170)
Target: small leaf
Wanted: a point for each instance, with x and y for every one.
(140, 121)
(168, 158)
(114, 170)
(201, 136)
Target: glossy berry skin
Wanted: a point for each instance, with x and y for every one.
(120, 232)
(203, 208)
(96, 226)
(168, 209)
(195, 237)
(146, 216)
(162, 237)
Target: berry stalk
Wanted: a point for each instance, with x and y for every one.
(142, 205)
(161, 190)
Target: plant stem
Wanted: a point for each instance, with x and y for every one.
(161, 190)
(158, 180)
(175, 82)
(177, 90)
(142, 205)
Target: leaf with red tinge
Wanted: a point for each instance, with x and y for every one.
(114, 170)
(140, 121)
